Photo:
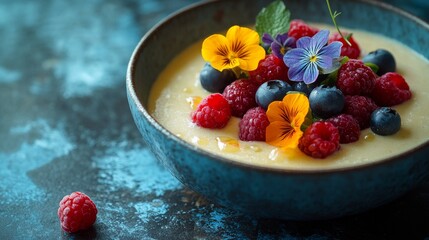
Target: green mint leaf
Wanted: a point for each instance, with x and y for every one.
(273, 19)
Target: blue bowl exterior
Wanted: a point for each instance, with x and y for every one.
(285, 194)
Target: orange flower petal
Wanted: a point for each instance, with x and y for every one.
(275, 111)
(286, 118)
(298, 120)
(275, 137)
(296, 103)
(283, 135)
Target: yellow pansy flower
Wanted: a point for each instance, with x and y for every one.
(238, 49)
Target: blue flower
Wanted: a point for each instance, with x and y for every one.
(312, 55)
(280, 45)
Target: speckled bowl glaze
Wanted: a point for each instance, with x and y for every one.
(266, 192)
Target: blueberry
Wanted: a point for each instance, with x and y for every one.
(383, 59)
(273, 90)
(303, 87)
(215, 81)
(385, 121)
(326, 101)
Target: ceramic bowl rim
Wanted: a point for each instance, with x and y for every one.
(275, 170)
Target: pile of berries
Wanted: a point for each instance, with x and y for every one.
(359, 98)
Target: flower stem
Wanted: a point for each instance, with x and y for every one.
(333, 17)
(237, 72)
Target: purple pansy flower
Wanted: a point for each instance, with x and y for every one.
(280, 45)
(312, 55)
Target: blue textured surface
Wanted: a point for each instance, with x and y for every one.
(65, 126)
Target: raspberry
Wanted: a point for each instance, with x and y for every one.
(212, 112)
(299, 28)
(240, 95)
(360, 107)
(76, 212)
(252, 126)
(348, 127)
(270, 68)
(320, 140)
(391, 89)
(354, 78)
(352, 51)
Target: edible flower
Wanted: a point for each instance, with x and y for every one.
(279, 45)
(238, 49)
(286, 118)
(312, 55)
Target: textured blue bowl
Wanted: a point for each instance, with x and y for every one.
(266, 192)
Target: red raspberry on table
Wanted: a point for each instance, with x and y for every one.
(240, 95)
(391, 89)
(351, 51)
(299, 28)
(360, 108)
(348, 127)
(320, 140)
(212, 112)
(76, 212)
(354, 78)
(253, 124)
(270, 68)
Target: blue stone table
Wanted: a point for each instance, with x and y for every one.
(65, 126)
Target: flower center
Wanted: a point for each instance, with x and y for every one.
(233, 61)
(313, 58)
(232, 56)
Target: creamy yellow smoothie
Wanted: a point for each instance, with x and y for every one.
(177, 91)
